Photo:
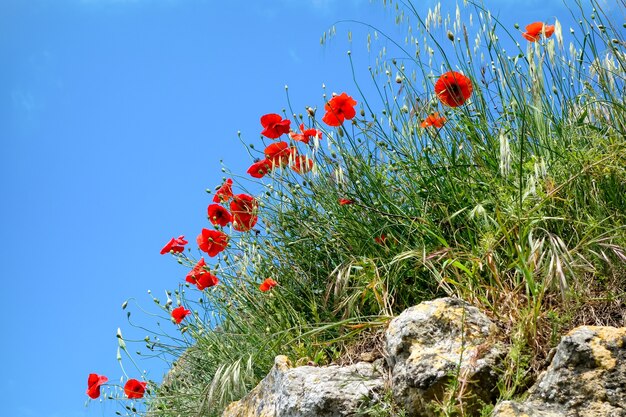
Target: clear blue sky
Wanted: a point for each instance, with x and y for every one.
(114, 115)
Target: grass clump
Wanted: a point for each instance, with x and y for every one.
(517, 204)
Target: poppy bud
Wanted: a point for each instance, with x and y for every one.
(362, 113)
(451, 36)
(311, 111)
(124, 304)
(516, 26)
(398, 79)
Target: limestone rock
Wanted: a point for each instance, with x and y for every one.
(586, 378)
(309, 391)
(430, 344)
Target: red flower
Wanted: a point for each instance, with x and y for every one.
(176, 245)
(306, 135)
(212, 241)
(93, 385)
(218, 215)
(134, 388)
(433, 120)
(224, 193)
(260, 168)
(302, 164)
(338, 109)
(345, 201)
(243, 209)
(278, 153)
(453, 88)
(179, 313)
(268, 284)
(201, 277)
(274, 125)
(535, 29)
(381, 239)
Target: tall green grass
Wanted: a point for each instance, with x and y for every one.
(517, 205)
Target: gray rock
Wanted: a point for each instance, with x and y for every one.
(309, 391)
(436, 342)
(586, 378)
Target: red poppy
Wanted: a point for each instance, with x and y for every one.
(176, 245)
(218, 215)
(302, 164)
(381, 239)
(179, 313)
(212, 241)
(201, 277)
(134, 388)
(260, 168)
(535, 29)
(345, 201)
(278, 153)
(338, 109)
(453, 88)
(224, 193)
(268, 284)
(434, 120)
(274, 125)
(306, 135)
(243, 209)
(94, 381)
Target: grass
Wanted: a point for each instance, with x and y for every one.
(517, 205)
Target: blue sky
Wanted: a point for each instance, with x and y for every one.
(114, 115)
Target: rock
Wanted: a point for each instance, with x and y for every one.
(309, 391)
(431, 344)
(586, 378)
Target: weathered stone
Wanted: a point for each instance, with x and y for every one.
(586, 378)
(309, 391)
(430, 344)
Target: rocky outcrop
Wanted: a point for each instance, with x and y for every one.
(586, 378)
(436, 342)
(306, 391)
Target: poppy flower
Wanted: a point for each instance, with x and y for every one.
(268, 284)
(260, 168)
(381, 240)
(94, 381)
(433, 120)
(345, 201)
(212, 241)
(243, 208)
(278, 153)
(302, 164)
(224, 193)
(453, 88)
(274, 125)
(306, 135)
(134, 388)
(535, 29)
(201, 277)
(339, 109)
(176, 245)
(218, 215)
(179, 313)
